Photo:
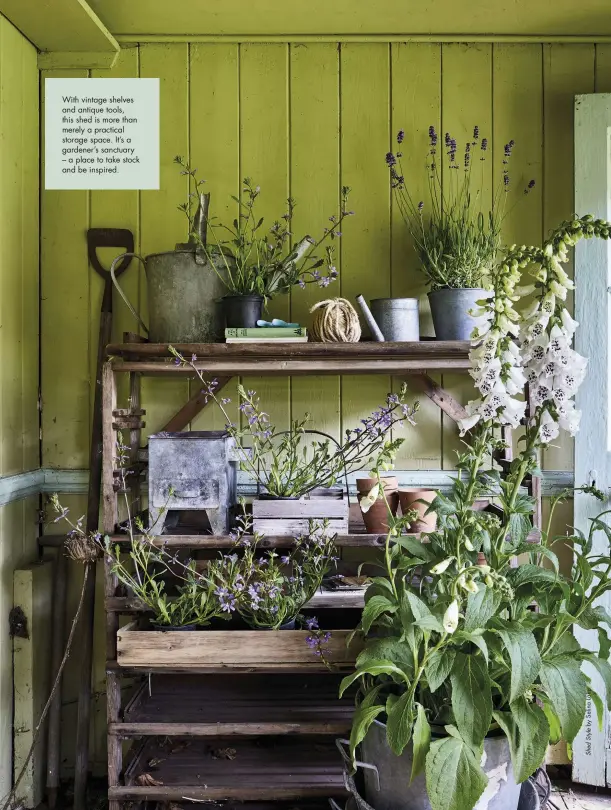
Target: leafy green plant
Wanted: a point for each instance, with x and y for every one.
(457, 232)
(283, 462)
(455, 649)
(259, 261)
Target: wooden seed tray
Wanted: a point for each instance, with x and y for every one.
(262, 769)
(216, 649)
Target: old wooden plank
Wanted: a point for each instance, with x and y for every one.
(214, 132)
(264, 83)
(365, 247)
(65, 341)
(416, 105)
(162, 224)
(315, 185)
(220, 647)
(270, 541)
(466, 102)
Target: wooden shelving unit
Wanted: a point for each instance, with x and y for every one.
(260, 733)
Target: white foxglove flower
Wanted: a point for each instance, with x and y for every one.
(568, 323)
(570, 421)
(450, 619)
(558, 289)
(368, 501)
(442, 566)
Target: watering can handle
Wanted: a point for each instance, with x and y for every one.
(120, 291)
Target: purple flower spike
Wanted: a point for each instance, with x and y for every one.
(400, 136)
(484, 144)
(391, 160)
(475, 133)
(420, 205)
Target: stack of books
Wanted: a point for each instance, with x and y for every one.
(267, 334)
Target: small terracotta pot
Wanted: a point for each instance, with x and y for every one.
(409, 498)
(375, 517)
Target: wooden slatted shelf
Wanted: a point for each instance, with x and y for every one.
(235, 705)
(288, 358)
(262, 769)
(208, 541)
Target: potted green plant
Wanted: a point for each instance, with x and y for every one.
(259, 264)
(470, 680)
(457, 233)
(287, 465)
(269, 590)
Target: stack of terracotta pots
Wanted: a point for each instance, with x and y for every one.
(409, 498)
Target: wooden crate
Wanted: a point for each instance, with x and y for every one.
(239, 649)
(287, 517)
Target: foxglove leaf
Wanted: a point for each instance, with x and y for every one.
(521, 645)
(481, 607)
(400, 722)
(454, 778)
(374, 607)
(439, 667)
(566, 688)
(471, 697)
(421, 742)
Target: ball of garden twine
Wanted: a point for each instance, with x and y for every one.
(335, 321)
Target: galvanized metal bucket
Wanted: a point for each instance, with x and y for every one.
(397, 318)
(391, 788)
(184, 292)
(450, 311)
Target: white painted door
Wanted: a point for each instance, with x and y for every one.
(592, 748)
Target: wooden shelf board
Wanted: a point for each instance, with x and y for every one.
(261, 770)
(208, 541)
(232, 705)
(315, 668)
(289, 358)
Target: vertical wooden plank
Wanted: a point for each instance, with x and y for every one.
(32, 589)
(65, 321)
(602, 78)
(416, 105)
(365, 247)
(466, 102)
(214, 131)
(315, 185)
(263, 157)
(30, 235)
(567, 71)
(11, 224)
(518, 114)
(162, 224)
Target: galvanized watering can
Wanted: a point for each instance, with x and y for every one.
(184, 289)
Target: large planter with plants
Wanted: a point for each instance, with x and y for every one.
(454, 654)
(391, 789)
(456, 234)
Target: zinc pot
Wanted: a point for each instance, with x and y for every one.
(242, 310)
(410, 498)
(397, 318)
(396, 793)
(183, 293)
(376, 517)
(450, 312)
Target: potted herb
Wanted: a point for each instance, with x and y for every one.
(457, 234)
(269, 591)
(259, 263)
(287, 465)
(471, 681)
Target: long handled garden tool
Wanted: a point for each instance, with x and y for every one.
(96, 238)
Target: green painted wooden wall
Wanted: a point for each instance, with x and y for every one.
(19, 428)
(304, 119)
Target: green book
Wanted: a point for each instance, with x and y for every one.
(266, 332)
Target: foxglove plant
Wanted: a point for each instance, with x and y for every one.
(281, 462)
(454, 651)
(456, 233)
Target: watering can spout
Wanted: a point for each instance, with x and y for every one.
(371, 321)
